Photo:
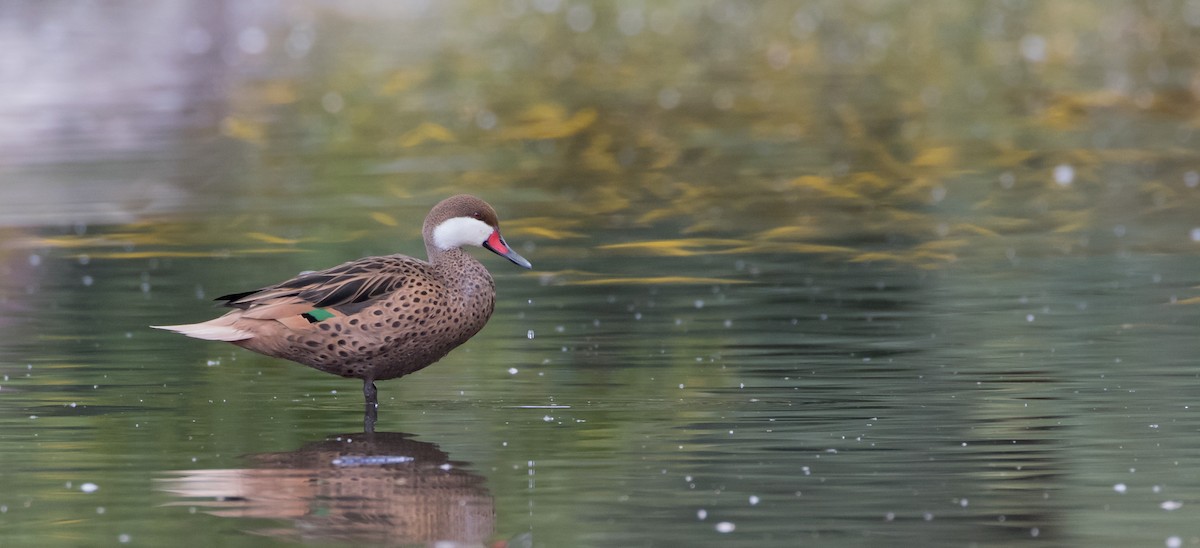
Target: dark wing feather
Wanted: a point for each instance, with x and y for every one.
(346, 284)
(234, 296)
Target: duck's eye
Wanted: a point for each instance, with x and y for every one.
(477, 215)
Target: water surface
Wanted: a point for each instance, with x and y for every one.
(824, 274)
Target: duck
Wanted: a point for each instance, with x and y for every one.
(375, 318)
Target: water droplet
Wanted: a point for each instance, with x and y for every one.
(332, 102)
(1120, 488)
(668, 98)
(1064, 174)
(580, 17)
(529, 334)
(252, 40)
(726, 527)
(89, 487)
(547, 6)
(1033, 48)
(630, 20)
(485, 119)
(1007, 180)
(300, 40)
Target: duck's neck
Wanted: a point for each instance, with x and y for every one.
(468, 285)
(449, 259)
(459, 269)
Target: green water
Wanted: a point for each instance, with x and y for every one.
(821, 274)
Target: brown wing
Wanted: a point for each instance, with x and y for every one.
(345, 288)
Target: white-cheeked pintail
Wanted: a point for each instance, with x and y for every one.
(375, 318)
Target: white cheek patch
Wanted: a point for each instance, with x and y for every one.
(460, 231)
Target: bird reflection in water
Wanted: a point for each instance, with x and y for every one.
(370, 487)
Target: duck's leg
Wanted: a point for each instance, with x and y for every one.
(372, 409)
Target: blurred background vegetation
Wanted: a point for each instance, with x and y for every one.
(866, 131)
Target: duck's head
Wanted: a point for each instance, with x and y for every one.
(464, 220)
